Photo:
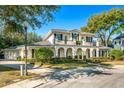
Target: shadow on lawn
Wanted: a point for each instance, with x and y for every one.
(64, 75)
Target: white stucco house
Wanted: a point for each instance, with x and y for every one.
(64, 43)
(119, 42)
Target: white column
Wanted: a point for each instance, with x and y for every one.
(91, 52)
(56, 52)
(73, 52)
(97, 52)
(29, 53)
(100, 53)
(65, 52)
(84, 40)
(22, 53)
(97, 43)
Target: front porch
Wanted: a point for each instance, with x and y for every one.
(79, 52)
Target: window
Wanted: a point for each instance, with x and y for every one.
(59, 36)
(115, 42)
(75, 36)
(89, 39)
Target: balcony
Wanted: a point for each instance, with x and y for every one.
(79, 43)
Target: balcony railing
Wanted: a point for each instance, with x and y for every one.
(70, 42)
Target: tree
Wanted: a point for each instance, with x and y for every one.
(43, 55)
(33, 37)
(13, 16)
(11, 39)
(106, 24)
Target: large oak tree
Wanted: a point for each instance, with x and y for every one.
(13, 16)
(106, 24)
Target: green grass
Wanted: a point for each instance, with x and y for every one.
(8, 75)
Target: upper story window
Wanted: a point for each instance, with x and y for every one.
(58, 36)
(75, 36)
(89, 39)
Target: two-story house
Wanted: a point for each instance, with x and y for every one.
(64, 43)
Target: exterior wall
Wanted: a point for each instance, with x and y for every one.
(15, 53)
(51, 39)
(122, 43)
(69, 41)
(11, 54)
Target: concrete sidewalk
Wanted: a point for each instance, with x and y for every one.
(28, 83)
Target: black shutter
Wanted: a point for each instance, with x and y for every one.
(72, 36)
(61, 37)
(55, 35)
(91, 39)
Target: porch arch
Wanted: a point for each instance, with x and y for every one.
(61, 52)
(79, 53)
(87, 53)
(94, 53)
(69, 52)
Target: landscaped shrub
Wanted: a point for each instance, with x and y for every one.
(19, 58)
(99, 59)
(65, 60)
(76, 57)
(43, 55)
(117, 54)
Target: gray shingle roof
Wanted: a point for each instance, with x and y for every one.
(42, 43)
(119, 37)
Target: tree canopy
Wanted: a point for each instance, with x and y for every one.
(13, 16)
(14, 39)
(106, 24)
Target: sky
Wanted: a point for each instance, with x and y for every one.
(73, 17)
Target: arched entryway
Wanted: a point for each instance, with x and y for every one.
(69, 52)
(87, 53)
(61, 52)
(94, 53)
(79, 53)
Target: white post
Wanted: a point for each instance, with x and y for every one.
(65, 52)
(73, 53)
(56, 52)
(97, 43)
(21, 70)
(91, 53)
(97, 52)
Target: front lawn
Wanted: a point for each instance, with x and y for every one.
(9, 75)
